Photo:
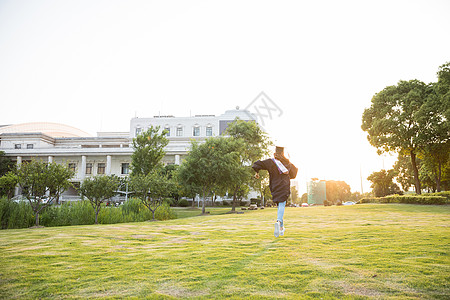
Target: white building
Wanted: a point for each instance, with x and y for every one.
(108, 152)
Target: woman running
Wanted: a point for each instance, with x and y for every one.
(281, 171)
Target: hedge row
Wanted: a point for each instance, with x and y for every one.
(427, 199)
(20, 215)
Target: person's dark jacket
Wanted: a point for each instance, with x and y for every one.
(279, 184)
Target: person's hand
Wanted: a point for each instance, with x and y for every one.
(257, 175)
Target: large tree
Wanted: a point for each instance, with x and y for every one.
(394, 122)
(337, 191)
(252, 144)
(211, 165)
(383, 184)
(98, 189)
(42, 183)
(404, 171)
(434, 117)
(148, 151)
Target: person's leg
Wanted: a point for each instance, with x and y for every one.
(281, 207)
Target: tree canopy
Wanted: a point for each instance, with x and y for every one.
(42, 183)
(148, 151)
(99, 188)
(215, 163)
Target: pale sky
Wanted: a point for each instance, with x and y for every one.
(96, 64)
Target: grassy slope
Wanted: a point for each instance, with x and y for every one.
(371, 250)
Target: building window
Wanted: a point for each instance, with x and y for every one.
(125, 168)
(179, 131)
(167, 129)
(72, 167)
(196, 131)
(208, 131)
(17, 146)
(89, 168)
(101, 168)
(29, 146)
(138, 131)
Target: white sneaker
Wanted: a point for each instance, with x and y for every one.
(276, 233)
(282, 231)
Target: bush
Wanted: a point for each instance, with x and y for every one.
(164, 212)
(20, 215)
(409, 199)
(183, 203)
(15, 214)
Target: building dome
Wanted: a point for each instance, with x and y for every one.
(48, 128)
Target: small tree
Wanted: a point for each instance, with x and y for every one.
(42, 183)
(98, 189)
(8, 183)
(382, 183)
(251, 144)
(6, 164)
(148, 151)
(210, 166)
(151, 189)
(337, 191)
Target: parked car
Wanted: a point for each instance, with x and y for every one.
(253, 207)
(349, 203)
(305, 205)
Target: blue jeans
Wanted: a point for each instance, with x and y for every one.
(280, 214)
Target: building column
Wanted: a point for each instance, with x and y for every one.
(50, 159)
(108, 165)
(83, 167)
(177, 159)
(19, 163)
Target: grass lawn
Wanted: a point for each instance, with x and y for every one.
(348, 252)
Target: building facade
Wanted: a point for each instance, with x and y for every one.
(109, 152)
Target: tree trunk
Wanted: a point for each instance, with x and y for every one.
(416, 173)
(203, 204)
(37, 219)
(193, 202)
(96, 216)
(233, 208)
(438, 178)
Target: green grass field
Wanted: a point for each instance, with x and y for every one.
(347, 252)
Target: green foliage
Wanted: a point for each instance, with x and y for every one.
(20, 215)
(251, 144)
(426, 199)
(337, 191)
(39, 180)
(382, 183)
(393, 123)
(15, 214)
(98, 189)
(148, 151)
(6, 164)
(183, 203)
(213, 164)
(8, 183)
(151, 189)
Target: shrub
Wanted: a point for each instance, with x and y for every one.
(183, 203)
(409, 199)
(15, 214)
(164, 212)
